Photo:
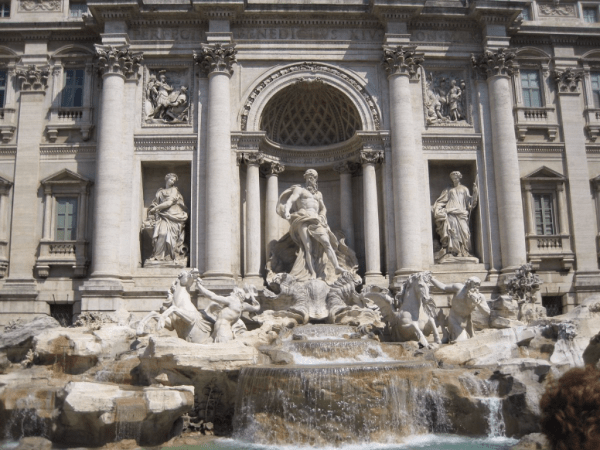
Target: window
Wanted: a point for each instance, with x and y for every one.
(63, 313)
(72, 96)
(544, 214)
(525, 15)
(596, 88)
(5, 9)
(77, 10)
(2, 88)
(530, 83)
(66, 218)
(590, 15)
(553, 305)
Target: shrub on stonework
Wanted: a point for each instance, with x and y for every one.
(570, 410)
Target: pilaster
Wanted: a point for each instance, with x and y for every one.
(346, 170)
(20, 284)
(587, 275)
(271, 171)
(253, 236)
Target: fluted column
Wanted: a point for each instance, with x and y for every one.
(402, 65)
(116, 64)
(369, 159)
(346, 169)
(497, 67)
(217, 60)
(252, 266)
(271, 171)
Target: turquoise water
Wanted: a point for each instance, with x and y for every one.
(425, 442)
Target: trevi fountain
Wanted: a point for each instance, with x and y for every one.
(315, 359)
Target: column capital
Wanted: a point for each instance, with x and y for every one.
(346, 167)
(253, 159)
(491, 64)
(403, 60)
(568, 81)
(5, 186)
(371, 156)
(272, 168)
(33, 78)
(118, 59)
(216, 58)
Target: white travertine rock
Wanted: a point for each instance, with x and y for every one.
(94, 412)
(17, 342)
(486, 348)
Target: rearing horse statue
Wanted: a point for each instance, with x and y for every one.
(179, 313)
(411, 315)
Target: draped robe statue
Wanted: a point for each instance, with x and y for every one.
(452, 212)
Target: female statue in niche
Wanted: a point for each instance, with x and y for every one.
(452, 213)
(167, 215)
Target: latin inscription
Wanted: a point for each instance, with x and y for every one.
(445, 36)
(167, 34)
(313, 34)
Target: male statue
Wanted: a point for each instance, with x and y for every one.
(303, 207)
(232, 308)
(458, 326)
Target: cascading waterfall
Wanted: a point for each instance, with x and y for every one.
(486, 391)
(318, 405)
(129, 415)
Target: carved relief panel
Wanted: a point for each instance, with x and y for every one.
(167, 96)
(446, 98)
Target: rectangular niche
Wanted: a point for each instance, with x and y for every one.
(153, 179)
(439, 180)
(447, 98)
(168, 95)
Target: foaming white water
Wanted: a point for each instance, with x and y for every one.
(423, 442)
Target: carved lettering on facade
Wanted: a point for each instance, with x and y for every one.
(311, 34)
(167, 34)
(458, 36)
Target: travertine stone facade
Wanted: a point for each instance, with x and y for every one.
(239, 98)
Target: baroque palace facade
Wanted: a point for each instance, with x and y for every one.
(100, 101)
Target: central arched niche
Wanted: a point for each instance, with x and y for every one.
(310, 113)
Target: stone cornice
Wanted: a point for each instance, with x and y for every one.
(160, 143)
(118, 59)
(403, 60)
(33, 78)
(540, 148)
(309, 21)
(492, 63)
(454, 143)
(216, 58)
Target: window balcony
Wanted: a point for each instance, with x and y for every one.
(592, 120)
(7, 124)
(550, 247)
(542, 118)
(71, 254)
(64, 118)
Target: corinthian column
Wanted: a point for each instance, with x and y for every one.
(369, 159)
(497, 68)
(271, 172)
(346, 169)
(402, 64)
(116, 64)
(217, 60)
(252, 266)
